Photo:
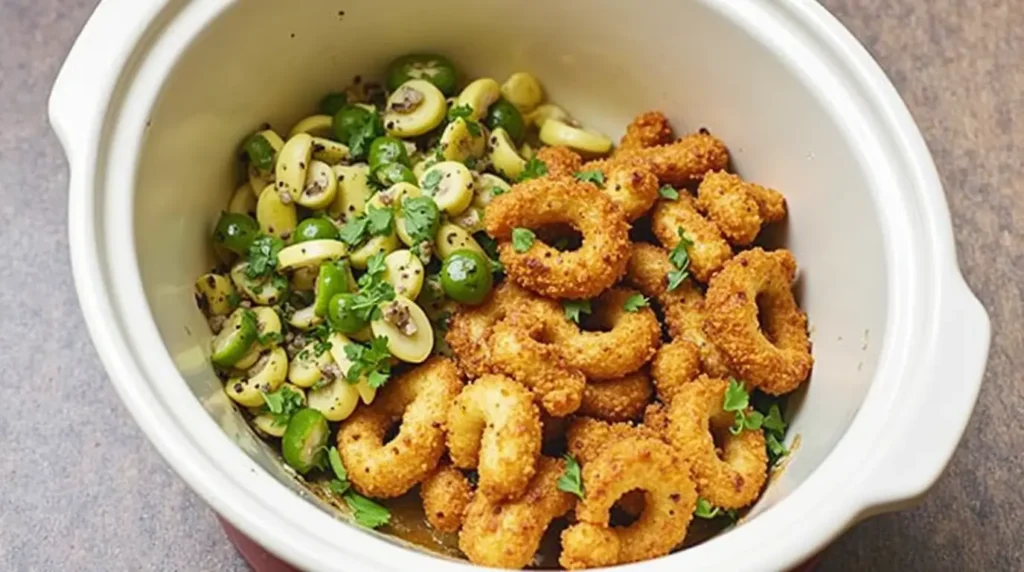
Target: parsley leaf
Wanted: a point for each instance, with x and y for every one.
(422, 217)
(571, 480)
(534, 168)
(282, 404)
(635, 302)
(234, 299)
(367, 512)
(373, 362)
(667, 192)
(321, 335)
(380, 221)
(430, 181)
(336, 465)
(737, 400)
(596, 177)
(497, 191)
(375, 265)
(705, 510)
(263, 256)
(354, 230)
(359, 141)
(474, 128)
(573, 309)
(773, 421)
(680, 258)
(522, 239)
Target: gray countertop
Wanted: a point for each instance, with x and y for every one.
(81, 488)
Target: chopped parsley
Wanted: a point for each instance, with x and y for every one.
(376, 222)
(260, 151)
(574, 308)
(372, 362)
(737, 400)
(381, 221)
(359, 141)
(365, 511)
(321, 336)
(465, 112)
(522, 239)
(667, 192)
(498, 191)
(595, 176)
(234, 299)
(635, 302)
(282, 404)
(430, 181)
(680, 258)
(705, 510)
(775, 433)
(354, 230)
(571, 480)
(534, 168)
(422, 217)
(263, 256)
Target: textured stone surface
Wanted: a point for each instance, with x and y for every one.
(80, 487)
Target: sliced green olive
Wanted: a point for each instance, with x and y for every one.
(235, 339)
(434, 68)
(450, 184)
(249, 359)
(305, 319)
(542, 113)
(276, 217)
(332, 279)
(215, 295)
(235, 231)
(243, 200)
(414, 109)
(341, 314)
(262, 149)
(394, 195)
(265, 290)
(384, 244)
(504, 157)
(479, 96)
(328, 151)
(268, 327)
(349, 120)
(451, 237)
(394, 173)
(407, 329)
(315, 125)
(310, 253)
(304, 443)
(433, 301)
(266, 423)
(314, 228)
(487, 187)
(404, 271)
(505, 115)
(321, 186)
(338, 343)
(266, 375)
(353, 191)
(555, 132)
(471, 219)
(308, 366)
(466, 277)
(292, 163)
(459, 141)
(523, 91)
(336, 400)
(260, 178)
(386, 150)
(303, 279)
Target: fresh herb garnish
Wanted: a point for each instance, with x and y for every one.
(380, 220)
(705, 509)
(354, 230)
(534, 168)
(775, 433)
(668, 192)
(372, 362)
(571, 480)
(359, 142)
(635, 302)
(321, 337)
(595, 176)
(234, 299)
(498, 191)
(422, 217)
(574, 308)
(282, 404)
(263, 256)
(680, 258)
(260, 152)
(430, 181)
(522, 239)
(375, 266)
(365, 511)
(737, 400)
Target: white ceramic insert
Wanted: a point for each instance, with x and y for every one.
(156, 95)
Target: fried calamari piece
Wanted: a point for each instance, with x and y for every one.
(708, 250)
(494, 427)
(649, 129)
(583, 273)
(561, 161)
(683, 161)
(419, 399)
(656, 419)
(518, 349)
(622, 399)
(587, 437)
(670, 499)
(752, 318)
(446, 494)
(733, 476)
(626, 340)
(506, 534)
(738, 207)
(675, 365)
(629, 183)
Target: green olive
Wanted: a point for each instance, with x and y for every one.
(320, 188)
(260, 151)
(332, 103)
(353, 191)
(450, 184)
(523, 90)
(276, 217)
(451, 238)
(304, 443)
(333, 279)
(383, 244)
(341, 315)
(386, 150)
(462, 140)
(505, 115)
(404, 271)
(243, 200)
(434, 68)
(215, 294)
(505, 158)
(466, 277)
(235, 338)
(414, 109)
(236, 231)
(392, 173)
(349, 120)
(479, 96)
(262, 290)
(314, 228)
(315, 125)
(487, 187)
(408, 331)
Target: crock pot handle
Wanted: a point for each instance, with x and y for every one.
(936, 416)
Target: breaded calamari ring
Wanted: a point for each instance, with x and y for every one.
(587, 437)
(622, 399)
(649, 129)
(683, 161)
(516, 350)
(676, 364)
(656, 419)
(586, 545)
(494, 427)
(446, 494)
(732, 478)
(507, 534)
(561, 161)
(471, 325)
(627, 342)
(738, 207)
(752, 318)
(669, 493)
(419, 399)
(583, 273)
(629, 183)
(708, 251)
(683, 307)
